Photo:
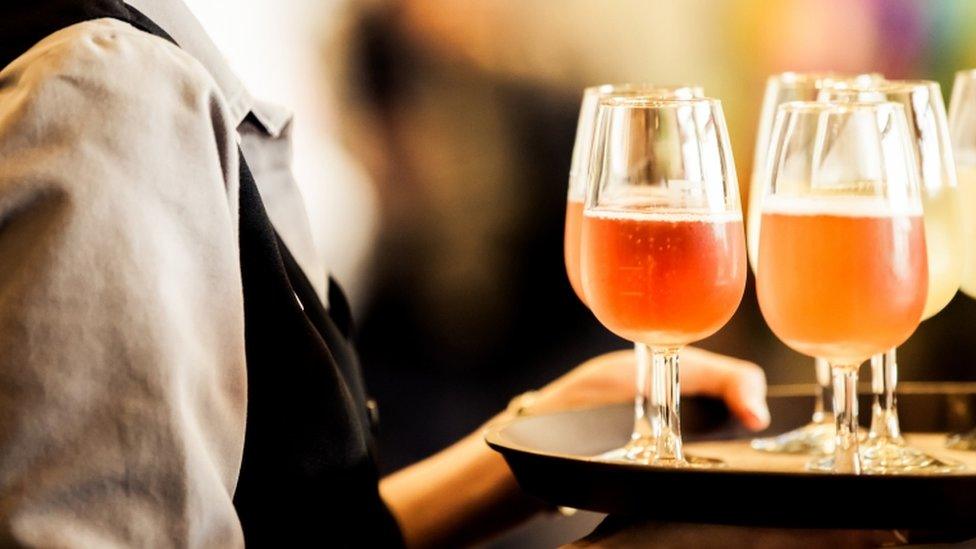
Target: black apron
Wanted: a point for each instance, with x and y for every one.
(308, 475)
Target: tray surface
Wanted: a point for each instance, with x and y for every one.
(553, 456)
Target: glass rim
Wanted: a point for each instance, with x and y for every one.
(635, 87)
(804, 77)
(650, 102)
(831, 107)
(970, 73)
(890, 86)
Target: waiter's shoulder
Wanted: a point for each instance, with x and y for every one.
(110, 60)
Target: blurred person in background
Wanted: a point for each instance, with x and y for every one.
(177, 368)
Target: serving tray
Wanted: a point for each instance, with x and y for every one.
(554, 457)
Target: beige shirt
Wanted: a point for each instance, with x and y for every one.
(267, 145)
(122, 368)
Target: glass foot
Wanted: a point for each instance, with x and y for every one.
(648, 456)
(813, 438)
(821, 465)
(635, 451)
(694, 462)
(893, 457)
(637, 448)
(962, 441)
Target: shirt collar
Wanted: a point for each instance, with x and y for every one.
(175, 18)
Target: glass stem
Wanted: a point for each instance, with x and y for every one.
(823, 385)
(666, 399)
(884, 410)
(645, 416)
(846, 456)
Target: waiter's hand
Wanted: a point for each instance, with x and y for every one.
(610, 378)
(467, 492)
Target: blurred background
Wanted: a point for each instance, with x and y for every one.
(433, 140)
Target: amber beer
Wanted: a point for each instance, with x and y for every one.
(571, 243)
(663, 277)
(841, 277)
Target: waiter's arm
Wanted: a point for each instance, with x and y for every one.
(466, 492)
(122, 388)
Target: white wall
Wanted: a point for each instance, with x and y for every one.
(275, 46)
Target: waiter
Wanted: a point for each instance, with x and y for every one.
(175, 367)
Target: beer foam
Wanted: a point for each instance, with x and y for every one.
(840, 206)
(672, 216)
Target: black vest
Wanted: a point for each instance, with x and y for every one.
(308, 475)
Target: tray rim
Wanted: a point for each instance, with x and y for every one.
(494, 438)
(620, 488)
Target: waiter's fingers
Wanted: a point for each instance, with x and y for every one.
(740, 383)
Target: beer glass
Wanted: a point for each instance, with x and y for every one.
(842, 268)
(663, 259)
(816, 437)
(642, 434)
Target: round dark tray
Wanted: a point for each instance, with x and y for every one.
(552, 457)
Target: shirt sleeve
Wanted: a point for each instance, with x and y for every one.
(122, 372)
